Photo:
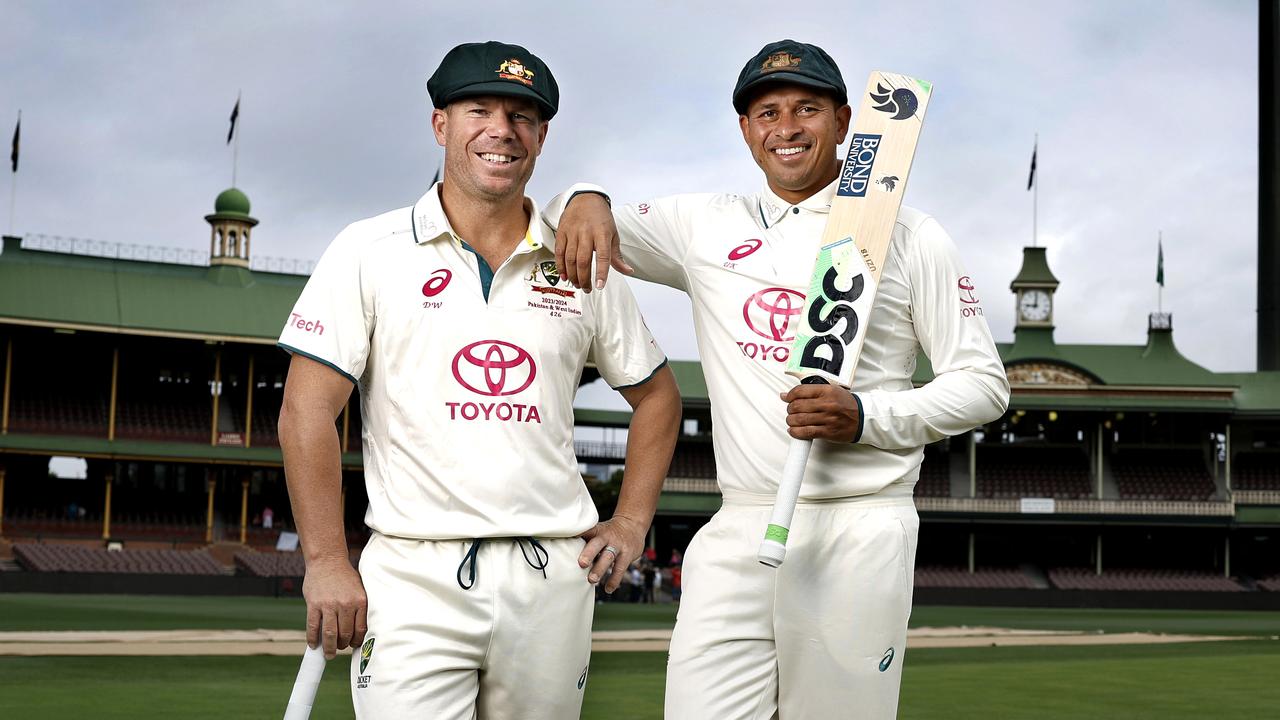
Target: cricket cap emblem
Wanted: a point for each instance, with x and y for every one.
(514, 69)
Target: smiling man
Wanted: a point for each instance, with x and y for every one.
(474, 597)
(822, 636)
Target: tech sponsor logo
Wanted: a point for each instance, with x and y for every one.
(969, 302)
(773, 314)
(745, 250)
(435, 285)
(855, 175)
(366, 656)
(305, 325)
(494, 369)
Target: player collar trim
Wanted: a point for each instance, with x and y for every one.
(773, 208)
(431, 223)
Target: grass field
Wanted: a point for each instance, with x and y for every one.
(1192, 680)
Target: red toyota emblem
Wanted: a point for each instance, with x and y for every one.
(439, 280)
(745, 249)
(494, 368)
(772, 309)
(966, 290)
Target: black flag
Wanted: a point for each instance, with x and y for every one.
(1031, 180)
(235, 113)
(17, 130)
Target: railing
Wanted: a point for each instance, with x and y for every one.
(585, 449)
(690, 485)
(1080, 507)
(155, 254)
(1256, 497)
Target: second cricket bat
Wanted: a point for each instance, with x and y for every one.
(850, 259)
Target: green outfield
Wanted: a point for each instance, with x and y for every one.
(1185, 680)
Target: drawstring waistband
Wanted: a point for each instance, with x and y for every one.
(541, 558)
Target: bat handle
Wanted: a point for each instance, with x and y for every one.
(304, 688)
(774, 547)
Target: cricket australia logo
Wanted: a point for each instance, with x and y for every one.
(856, 173)
(549, 272)
(513, 69)
(366, 655)
(773, 314)
(494, 368)
(779, 61)
(902, 103)
(888, 182)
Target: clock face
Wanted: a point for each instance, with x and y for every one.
(1035, 306)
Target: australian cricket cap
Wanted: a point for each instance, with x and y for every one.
(494, 68)
(788, 61)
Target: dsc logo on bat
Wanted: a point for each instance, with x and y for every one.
(825, 351)
(855, 176)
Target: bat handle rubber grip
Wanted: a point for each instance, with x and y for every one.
(774, 548)
(304, 688)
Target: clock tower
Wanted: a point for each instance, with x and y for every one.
(1034, 287)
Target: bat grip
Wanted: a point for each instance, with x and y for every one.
(774, 547)
(304, 688)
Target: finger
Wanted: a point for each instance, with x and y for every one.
(582, 265)
(362, 622)
(561, 242)
(329, 633)
(346, 617)
(621, 265)
(604, 259)
(807, 419)
(620, 564)
(807, 432)
(313, 626)
(590, 551)
(800, 392)
(600, 567)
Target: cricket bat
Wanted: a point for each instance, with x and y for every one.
(847, 270)
(304, 688)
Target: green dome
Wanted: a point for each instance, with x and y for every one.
(231, 202)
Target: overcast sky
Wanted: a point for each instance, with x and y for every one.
(1146, 113)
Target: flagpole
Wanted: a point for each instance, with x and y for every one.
(1160, 285)
(235, 153)
(13, 184)
(1035, 199)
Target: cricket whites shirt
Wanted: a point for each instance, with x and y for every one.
(745, 262)
(467, 374)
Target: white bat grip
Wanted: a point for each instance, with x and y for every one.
(304, 688)
(774, 547)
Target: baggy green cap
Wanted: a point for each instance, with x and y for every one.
(494, 68)
(788, 61)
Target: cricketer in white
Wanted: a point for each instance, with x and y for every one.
(817, 637)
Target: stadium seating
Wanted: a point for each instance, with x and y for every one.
(1162, 474)
(693, 460)
(935, 476)
(163, 419)
(953, 577)
(1256, 471)
(1160, 580)
(1272, 583)
(270, 564)
(58, 415)
(34, 523)
(40, 557)
(1033, 471)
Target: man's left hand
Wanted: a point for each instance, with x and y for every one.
(821, 412)
(625, 539)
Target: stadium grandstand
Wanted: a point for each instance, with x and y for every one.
(1118, 469)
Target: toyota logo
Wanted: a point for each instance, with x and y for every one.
(745, 249)
(769, 312)
(966, 290)
(494, 368)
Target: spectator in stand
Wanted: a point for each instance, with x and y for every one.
(637, 583)
(651, 555)
(675, 584)
(676, 557)
(649, 574)
(268, 517)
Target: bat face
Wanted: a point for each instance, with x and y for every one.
(855, 242)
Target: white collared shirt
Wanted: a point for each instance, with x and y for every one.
(467, 401)
(745, 262)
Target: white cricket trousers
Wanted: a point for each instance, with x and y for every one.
(515, 645)
(823, 636)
